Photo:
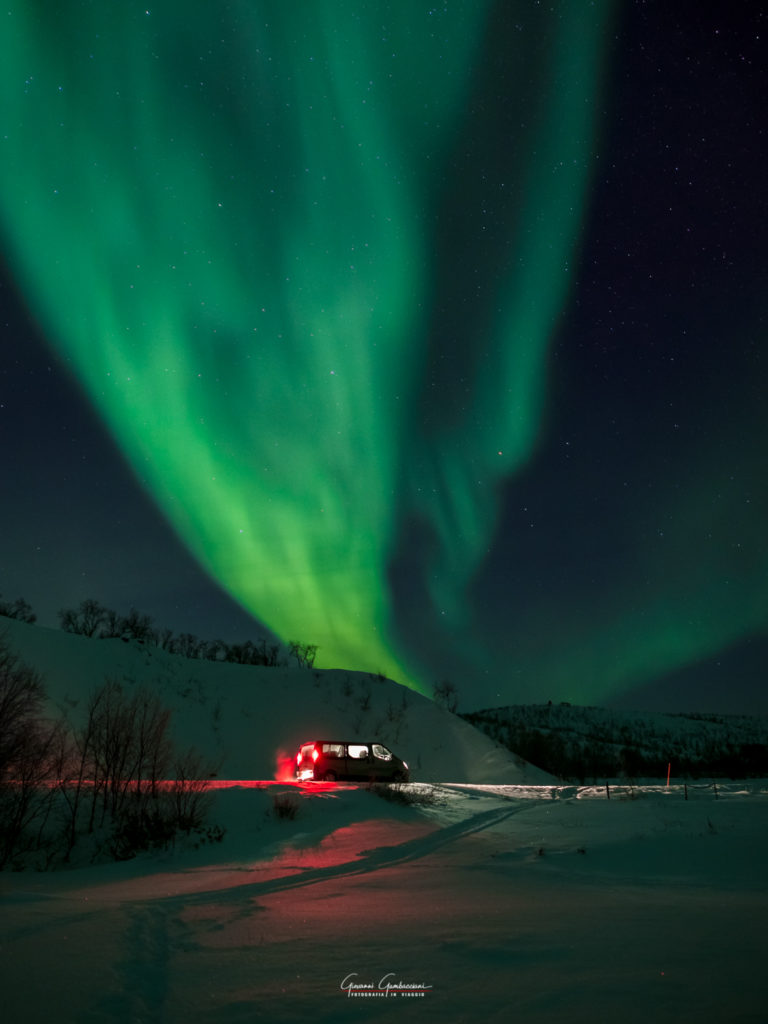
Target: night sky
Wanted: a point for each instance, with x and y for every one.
(432, 334)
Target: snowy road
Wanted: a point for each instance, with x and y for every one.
(494, 907)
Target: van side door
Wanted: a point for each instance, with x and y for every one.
(359, 761)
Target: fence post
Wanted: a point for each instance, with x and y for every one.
(608, 791)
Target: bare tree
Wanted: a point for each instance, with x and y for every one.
(212, 650)
(269, 653)
(125, 755)
(189, 794)
(27, 799)
(241, 654)
(187, 645)
(112, 625)
(153, 747)
(304, 654)
(18, 609)
(164, 639)
(29, 748)
(85, 620)
(21, 699)
(112, 741)
(446, 695)
(75, 776)
(136, 626)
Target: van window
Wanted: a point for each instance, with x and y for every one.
(381, 752)
(333, 749)
(358, 750)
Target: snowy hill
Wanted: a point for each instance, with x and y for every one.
(249, 720)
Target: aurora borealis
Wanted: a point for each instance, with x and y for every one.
(335, 276)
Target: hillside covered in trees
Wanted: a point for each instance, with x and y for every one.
(583, 743)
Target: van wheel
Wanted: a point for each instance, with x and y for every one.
(398, 777)
(329, 777)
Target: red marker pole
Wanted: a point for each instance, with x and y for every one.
(669, 769)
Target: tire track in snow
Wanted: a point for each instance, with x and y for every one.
(367, 862)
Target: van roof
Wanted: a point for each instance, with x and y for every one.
(309, 743)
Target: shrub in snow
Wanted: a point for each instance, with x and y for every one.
(119, 776)
(285, 805)
(400, 793)
(127, 775)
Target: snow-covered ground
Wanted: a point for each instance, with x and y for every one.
(502, 904)
(499, 902)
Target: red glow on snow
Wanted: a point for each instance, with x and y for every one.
(204, 785)
(285, 767)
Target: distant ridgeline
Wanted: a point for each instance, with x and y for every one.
(580, 743)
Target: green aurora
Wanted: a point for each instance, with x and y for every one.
(314, 299)
(226, 231)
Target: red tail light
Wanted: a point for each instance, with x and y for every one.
(298, 758)
(315, 754)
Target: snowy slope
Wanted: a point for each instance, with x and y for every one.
(250, 720)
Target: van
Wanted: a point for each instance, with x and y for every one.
(338, 760)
